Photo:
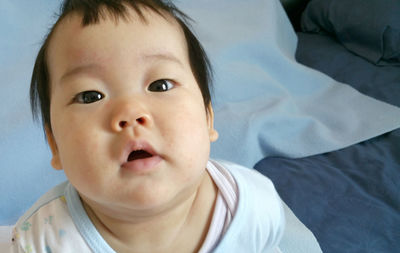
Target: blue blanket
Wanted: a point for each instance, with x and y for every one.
(349, 198)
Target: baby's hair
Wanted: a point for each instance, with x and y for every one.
(92, 11)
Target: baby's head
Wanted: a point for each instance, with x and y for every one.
(123, 90)
(92, 12)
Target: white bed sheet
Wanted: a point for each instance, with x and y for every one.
(5, 238)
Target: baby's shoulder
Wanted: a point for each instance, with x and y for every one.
(259, 215)
(257, 192)
(247, 178)
(47, 226)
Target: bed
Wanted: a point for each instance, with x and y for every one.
(349, 198)
(293, 99)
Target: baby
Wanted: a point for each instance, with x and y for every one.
(123, 92)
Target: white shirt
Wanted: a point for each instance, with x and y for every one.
(248, 217)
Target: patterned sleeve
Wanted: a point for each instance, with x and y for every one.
(15, 245)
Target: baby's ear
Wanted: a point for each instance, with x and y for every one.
(210, 119)
(55, 160)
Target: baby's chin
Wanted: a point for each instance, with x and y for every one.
(143, 204)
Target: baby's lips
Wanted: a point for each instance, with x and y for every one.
(137, 145)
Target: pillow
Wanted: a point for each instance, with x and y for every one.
(368, 28)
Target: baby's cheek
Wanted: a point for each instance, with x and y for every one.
(192, 137)
(187, 138)
(79, 151)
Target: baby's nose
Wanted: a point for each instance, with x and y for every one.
(142, 120)
(127, 115)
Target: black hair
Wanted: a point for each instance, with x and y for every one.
(91, 12)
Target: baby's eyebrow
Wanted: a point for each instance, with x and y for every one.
(162, 56)
(80, 69)
(94, 67)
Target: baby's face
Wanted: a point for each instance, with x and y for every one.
(129, 126)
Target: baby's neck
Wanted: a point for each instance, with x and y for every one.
(182, 228)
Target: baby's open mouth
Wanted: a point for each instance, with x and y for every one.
(138, 154)
(141, 158)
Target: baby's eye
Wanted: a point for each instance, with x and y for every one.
(87, 97)
(160, 85)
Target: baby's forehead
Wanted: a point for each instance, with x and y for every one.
(144, 33)
(76, 21)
